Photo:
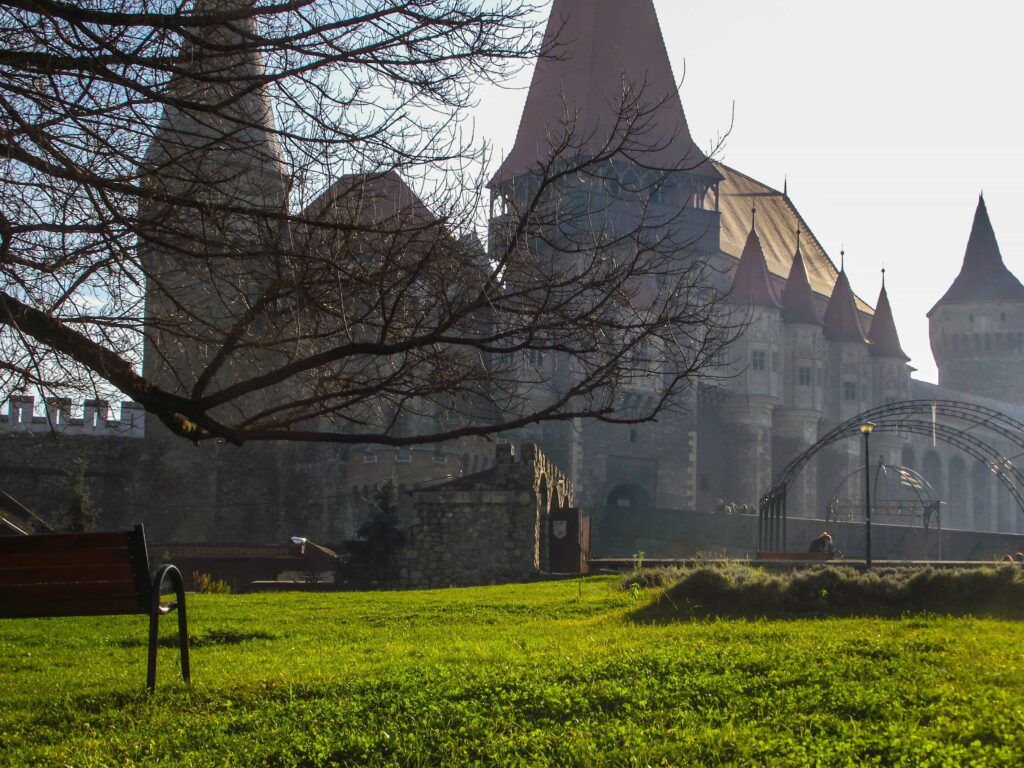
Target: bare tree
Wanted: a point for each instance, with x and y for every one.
(211, 210)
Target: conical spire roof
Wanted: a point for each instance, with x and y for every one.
(217, 131)
(751, 284)
(983, 276)
(605, 53)
(885, 341)
(842, 321)
(798, 302)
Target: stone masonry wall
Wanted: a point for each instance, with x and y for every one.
(486, 528)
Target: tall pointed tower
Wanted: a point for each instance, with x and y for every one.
(605, 102)
(215, 190)
(977, 327)
(756, 384)
(605, 92)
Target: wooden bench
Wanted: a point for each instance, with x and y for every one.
(89, 574)
(796, 556)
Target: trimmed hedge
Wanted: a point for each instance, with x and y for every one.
(742, 590)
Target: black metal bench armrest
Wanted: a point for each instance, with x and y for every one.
(156, 610)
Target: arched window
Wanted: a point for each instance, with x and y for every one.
(981, 497)
(931, 468)
(908, 458)
(958, 502)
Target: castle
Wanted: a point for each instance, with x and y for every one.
(812, 355)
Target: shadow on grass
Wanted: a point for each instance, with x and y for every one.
(200, 639)
(740, 591)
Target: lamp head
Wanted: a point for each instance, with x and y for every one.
(866, 428)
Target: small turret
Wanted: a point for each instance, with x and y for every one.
(804, 340)
(757, 383)
(847, 391)
(842, 320)
(799, 305)
(758, 351)
(890, 375)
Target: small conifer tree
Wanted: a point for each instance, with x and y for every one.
(368, 557)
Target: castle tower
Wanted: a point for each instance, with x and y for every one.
(599, 97)
(977, 327)
(890, 375)
(846, 386)
(846, 390)
(756, 387)
(216, 187)
(796, 421)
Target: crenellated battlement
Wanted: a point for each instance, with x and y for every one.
(61, 415)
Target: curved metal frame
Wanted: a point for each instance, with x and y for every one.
(899, 417)
(156, 610)
(882, 470)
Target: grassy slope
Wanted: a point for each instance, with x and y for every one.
(548, 674)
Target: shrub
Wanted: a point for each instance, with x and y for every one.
(205, 584)
(743, 590)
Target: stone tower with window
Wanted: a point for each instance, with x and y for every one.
(977, 327)
(797, 420)
(755, 382)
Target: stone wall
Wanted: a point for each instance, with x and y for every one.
(668, 533)
(486, 528)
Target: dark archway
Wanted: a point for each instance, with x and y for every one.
(628, 496)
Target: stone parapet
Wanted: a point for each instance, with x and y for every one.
(60, 417)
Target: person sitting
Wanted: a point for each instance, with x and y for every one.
(822, 545)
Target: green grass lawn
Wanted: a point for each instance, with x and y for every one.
(559, 673)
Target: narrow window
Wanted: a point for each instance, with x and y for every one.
(804, 377)
(849, 391)
(757, 360)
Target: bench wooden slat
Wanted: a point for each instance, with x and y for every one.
(97, 590)
(787, 556)
(54, 541)
(62, 558)
(90, 574)
(110, 607)
(62, 575)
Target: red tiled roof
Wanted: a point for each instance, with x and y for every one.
(983, 276)
(602, 53)
(885, 341)
(751, 284)
(842, 320)
(798, 302)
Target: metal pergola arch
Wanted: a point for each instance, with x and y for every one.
(900, 417)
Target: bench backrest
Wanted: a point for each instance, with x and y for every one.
(794, 556)
(74, 574)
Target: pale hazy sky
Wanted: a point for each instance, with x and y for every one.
(888, 117)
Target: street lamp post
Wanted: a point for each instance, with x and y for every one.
(865, 429)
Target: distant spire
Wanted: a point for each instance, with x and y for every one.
(798, 302)
(842, 319)
(885, 341)
(785, 185)
(233, 147)
(983, 276)
(752, 285)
